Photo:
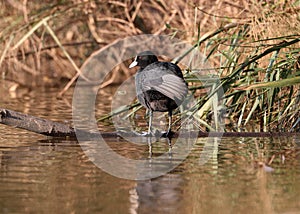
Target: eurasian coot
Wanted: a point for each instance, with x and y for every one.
(159, 85)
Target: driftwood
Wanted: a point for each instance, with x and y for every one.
(35, 124)
(56, 129)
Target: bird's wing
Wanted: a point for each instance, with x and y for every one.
(169, 85)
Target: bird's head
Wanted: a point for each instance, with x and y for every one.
(143, 59)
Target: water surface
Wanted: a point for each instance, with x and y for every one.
(232, 175)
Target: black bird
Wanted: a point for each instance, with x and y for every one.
(160, 86)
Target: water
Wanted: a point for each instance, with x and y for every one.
(228, 175)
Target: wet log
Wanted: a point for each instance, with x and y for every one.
(35, 124)
(57, 129)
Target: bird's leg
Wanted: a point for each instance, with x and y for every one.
(170, 147)
(169, 123)
(149, 132)
(150, 122)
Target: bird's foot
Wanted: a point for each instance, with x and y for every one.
(143, 134)
(158, 134)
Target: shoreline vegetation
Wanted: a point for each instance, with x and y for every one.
(253, 46)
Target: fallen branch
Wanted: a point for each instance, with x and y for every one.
(56, 129)
(35, 124)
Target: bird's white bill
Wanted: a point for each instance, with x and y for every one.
(134, 63)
